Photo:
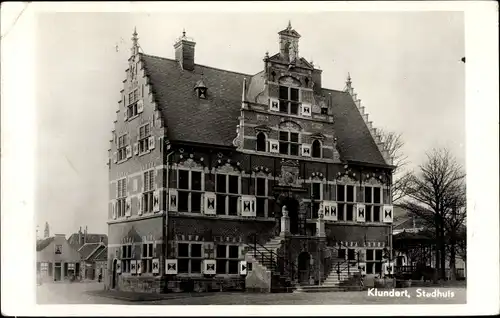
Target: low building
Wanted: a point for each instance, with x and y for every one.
(56, 259)
(93, 260)
(77, 240)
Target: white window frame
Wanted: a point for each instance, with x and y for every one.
(147, 261)
(320, 148)
(228, 194)
(121, 197)
(288, 142)
(143, 143)
(147, 196)
(342, 205)
(227, 259)
(370, 206)
(190, 190)
(262, 197)
(190, 258)
(121, 148)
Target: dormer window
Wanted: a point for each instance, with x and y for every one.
(201, 89)
(289, 100)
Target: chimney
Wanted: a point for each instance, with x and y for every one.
(85, 235)
(184, 52)
(80, 238)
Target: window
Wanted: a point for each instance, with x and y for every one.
(316, 197)
(190, 190)
(144, 134)
(189, 258)
(351, 254)
(261, 142)
(227, 259)
(345, 202)
(373, 204)
(58, 249)
(324, 111)
(227, 188)
(133, 97)
(316, 149)
(126, 257)
(289, 100)
(122, 147)
(261, 195)
(373, 261)
(148, 179)
(147, 257)
(121, 196)
(289, 143)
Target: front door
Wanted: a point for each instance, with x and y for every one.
(304, 268)
(57, 272)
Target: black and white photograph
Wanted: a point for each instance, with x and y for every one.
(253, 157)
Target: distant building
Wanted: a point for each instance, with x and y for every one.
(77, 240)
(56, 259)
(93, 260)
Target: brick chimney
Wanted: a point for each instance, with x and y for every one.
(184, 52)
(80, 238)
(85, 235)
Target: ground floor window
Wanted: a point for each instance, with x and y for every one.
(373, 261)
(189, 258)
(227, 259)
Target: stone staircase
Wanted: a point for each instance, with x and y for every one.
(345, 280)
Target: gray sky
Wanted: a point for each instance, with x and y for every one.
(405, 67)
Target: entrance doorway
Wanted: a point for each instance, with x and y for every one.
(292, 206)
(57, 271)
(113, 280)
(304, 267)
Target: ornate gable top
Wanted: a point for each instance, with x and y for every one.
(289, 31)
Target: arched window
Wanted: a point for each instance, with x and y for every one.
(261, 142)
(316, 149)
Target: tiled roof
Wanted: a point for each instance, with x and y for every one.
(88, 249)
(100, 255)
(41, 244)
(213, 120)
(91, 238)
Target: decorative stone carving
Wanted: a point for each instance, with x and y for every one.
(288, 124)
(346, 179)
(289, 174)
(190, 163)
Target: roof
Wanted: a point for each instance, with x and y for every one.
(43, 243)
(88, 249)
(90, 238)
(213, 120)
(210, 121)
(100, 255)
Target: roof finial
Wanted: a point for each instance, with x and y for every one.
(135, 44)
(183, 32)
(289, 25)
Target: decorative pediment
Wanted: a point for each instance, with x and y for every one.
(228, 166)
(373, 179)
(319, 136)
(191, 162)
(261, 170)
(288, 124)
(263, 128)
(317, 175)
(289, 80)
(346, 178)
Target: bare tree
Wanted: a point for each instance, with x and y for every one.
(401, 178)
(454, 224)
(433, 196)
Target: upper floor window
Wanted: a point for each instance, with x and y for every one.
(345, 202)
(121, 147)
(261, 142)
(373, 204)
(148, 194)
(316, 149)
(144, 134)
(190, 187)
(261, 194)
(121, 196)
(289, 100)
(316, 197)
(289, 143)
(133, 97)
(227, 188)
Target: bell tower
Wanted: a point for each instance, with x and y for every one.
(289, 43)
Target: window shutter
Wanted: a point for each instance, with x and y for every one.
(274, 105)
(128, 150)
(306, 150)
(151, 143)
(208, 250)
(387, 214)
(128, 207)
(156, 200)
(125, 115)
(136, 148)
(156, 266)
(139, 267)
(305, 110)
(172, 200)
(274, 146)
(242, 252)
(210, 200)
(118, 266)
(113, 209)
(115, 157)
(360, 212)
(139, 204)
(140, 106)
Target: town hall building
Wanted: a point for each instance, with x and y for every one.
(221, 180)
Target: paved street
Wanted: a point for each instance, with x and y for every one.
(76, 294)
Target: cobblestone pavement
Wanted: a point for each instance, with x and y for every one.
(76, 293)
